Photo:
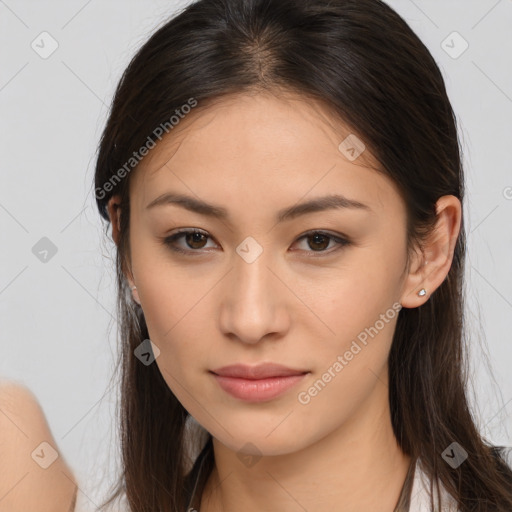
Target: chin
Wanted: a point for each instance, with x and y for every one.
(258, 441)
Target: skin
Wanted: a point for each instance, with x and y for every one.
(294, 305)
(24, 484)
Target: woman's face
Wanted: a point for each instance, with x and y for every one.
(252, 288)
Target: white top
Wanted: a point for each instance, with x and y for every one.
(420, 499)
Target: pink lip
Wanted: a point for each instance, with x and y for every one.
(260, 371)
(257, 383)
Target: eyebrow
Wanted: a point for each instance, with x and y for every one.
(319, 204)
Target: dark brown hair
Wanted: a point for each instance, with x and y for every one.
(363, 61)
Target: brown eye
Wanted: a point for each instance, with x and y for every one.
(195, 240)
(318, 241)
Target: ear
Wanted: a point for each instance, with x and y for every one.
(114, 212)
(429, 268)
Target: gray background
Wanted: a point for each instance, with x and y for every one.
(58, 332)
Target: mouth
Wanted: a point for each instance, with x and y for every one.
(257, 383)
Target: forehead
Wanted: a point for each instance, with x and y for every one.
(259, 145)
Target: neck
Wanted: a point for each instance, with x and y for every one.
(358, 466)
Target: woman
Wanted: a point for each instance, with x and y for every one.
(285, 189)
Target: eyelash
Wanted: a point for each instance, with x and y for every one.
(171, 240)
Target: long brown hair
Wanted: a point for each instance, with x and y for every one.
(366, 64)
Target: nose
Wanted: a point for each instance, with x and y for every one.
(254, 301)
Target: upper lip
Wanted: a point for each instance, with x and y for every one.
(260, 371)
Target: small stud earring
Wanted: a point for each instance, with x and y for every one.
(133, 288)
(422, 292)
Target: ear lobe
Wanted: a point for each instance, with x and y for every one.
(135, 293)
(114, 212)
(416, 281)
(430, 268)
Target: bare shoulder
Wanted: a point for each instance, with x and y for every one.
(33, 474)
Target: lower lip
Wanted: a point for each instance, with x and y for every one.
(258, 390)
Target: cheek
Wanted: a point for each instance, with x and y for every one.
(349, 365)
(354, 296)
(362, 339)
(175, 320)
(355, 318)
(166, 294)
(174, 304)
